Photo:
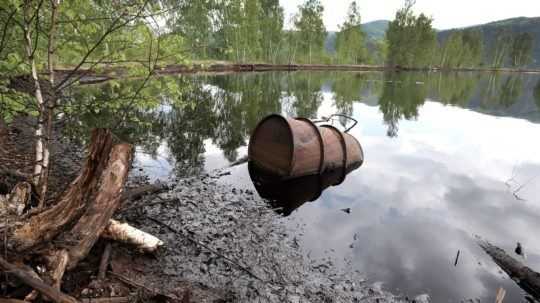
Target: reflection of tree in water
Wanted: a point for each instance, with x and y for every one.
(182, 112)
(347, 88)
(536, 94)
(241, 101)
(501, 90)
(402, 94)
(454, 88)
(115, 105)
(185, 127)
(305, 87)
(510, 91)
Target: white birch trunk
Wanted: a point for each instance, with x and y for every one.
(40, 129)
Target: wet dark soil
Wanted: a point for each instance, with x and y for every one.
(222, 244)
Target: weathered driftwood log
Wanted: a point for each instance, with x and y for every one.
(14, 203)
(48, 224)
(125, 233)
(525, 277)
(100, 209)
(35, 283)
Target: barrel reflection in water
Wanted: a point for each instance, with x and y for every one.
(286, 195)
(292, 161)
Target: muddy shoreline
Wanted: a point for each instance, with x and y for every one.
(89, 76)
(222, 244)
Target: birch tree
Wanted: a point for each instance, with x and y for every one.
(311, 30)
(35, 30)
(350, 39)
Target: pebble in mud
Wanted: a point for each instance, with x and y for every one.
(242, 227)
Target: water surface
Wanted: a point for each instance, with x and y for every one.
(447, 157)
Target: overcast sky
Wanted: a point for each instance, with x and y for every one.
(446, 13)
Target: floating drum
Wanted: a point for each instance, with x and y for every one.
(290, 148)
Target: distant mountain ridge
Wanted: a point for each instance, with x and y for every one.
(375, 30)
(513, 25)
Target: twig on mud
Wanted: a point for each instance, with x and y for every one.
(161, 201)
(139, 285)
(233, 262)
(105, 300)
(28, 279)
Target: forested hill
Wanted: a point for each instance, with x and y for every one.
(511, 26)
(375, 30)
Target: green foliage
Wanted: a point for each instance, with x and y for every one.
(311, 32)
(402, 94)
(501, 48)
(462, 49)
(511, 90)
(350, 45)
(454, 88)
(411, 39)
(522, 46)
(271, 24)
(238, 30)
(536, 94)
(494, 35)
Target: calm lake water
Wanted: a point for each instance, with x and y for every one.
(447, 157)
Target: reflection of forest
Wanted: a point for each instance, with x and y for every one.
(184, 112)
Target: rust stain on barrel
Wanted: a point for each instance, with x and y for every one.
(291, 148)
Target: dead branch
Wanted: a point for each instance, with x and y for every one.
(104, 263)
(13, 173)
(101, 209)
(35, 283)
(525, 277)
(136, 284)
(125, 233)
(105, 300)
(139, 192)
(48, 224)
(57, 263)
(198, 243)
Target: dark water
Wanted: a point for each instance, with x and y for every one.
(447, 157)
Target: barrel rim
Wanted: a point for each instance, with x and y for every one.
(343, 148)
(291, 136)
(321, 143)
(359, 147)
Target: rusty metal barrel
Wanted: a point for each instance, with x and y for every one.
(297, 147)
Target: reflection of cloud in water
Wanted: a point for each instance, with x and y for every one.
(157, 166)
(214, 157)
(420, 197)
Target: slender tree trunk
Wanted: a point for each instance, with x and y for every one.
(51, 105)
(310, 53)
(3, 129)
(41, 123)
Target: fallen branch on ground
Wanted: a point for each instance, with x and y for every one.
(198, 243)
(525, 277)
(35, 283)
(125, 233)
